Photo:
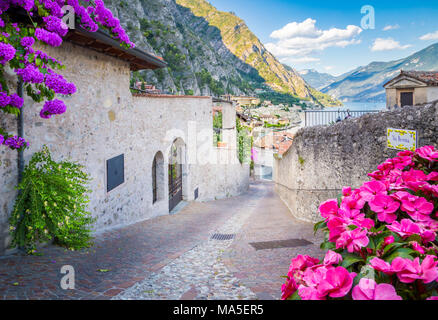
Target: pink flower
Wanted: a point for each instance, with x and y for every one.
(329, 208)
(417, 207)
(288, 289)
(346, 191)
(407, 270)
(332, 257)
(401, 195)
(405, 153)
(410, 270)
(353, 204)
(313, 276)
(433, 298)
(353, 240)
(368, 289)
(372, 188)
(302, 262)
(429, 269)
(428, 153)
(388, 240)
(337, 283)
(385, 207)
(433, 176)
(417, 247)
(309, 293)
(381, 265)
(405, 228)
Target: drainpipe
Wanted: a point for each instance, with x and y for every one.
(20, 129)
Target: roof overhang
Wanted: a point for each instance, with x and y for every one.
(102, 42)
(404, 81)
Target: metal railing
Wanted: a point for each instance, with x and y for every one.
(322, 117)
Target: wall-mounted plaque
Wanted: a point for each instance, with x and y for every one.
(115, 172)
(400, 139)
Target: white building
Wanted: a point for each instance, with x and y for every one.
(144, 153)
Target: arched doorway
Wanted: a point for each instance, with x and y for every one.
(176, 160)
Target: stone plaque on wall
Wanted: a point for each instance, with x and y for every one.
(400, 139)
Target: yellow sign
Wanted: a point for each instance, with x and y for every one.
(400, 139)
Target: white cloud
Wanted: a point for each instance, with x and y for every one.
(381, 44)
(430, 36)
(297, 29)
(296, 41)
(329, 68)
(390, 27)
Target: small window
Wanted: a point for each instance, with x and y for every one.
(115, 172)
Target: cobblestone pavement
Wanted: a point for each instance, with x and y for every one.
(172, 257)
(262, 270)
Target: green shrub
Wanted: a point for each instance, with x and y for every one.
(51, 205)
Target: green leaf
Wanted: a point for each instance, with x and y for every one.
(350, 259)
(414, 237)
(326, 245)
(401, 252)
(319, 225)
(391, 247)
(295, 296)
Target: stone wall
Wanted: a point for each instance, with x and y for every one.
(323, 159)
(104, 120)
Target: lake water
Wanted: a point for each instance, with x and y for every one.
(359, 106)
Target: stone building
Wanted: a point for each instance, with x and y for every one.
(144, 153)
(243, 100)
(412, 88)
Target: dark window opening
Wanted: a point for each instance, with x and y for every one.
(154, 181)
(115, 170)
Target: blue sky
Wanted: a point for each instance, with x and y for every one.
(315, 34)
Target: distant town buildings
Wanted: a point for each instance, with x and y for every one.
(146, 88)
(279, 142)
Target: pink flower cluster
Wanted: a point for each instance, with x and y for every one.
(318, 281)
(389, 224)
(36, 68)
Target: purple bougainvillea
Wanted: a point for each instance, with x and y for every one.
(35, 68)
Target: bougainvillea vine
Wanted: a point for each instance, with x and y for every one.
(35, 68)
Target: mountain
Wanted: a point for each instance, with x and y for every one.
(316, 79)
(209, 52)
(195, 67)
(365, 84)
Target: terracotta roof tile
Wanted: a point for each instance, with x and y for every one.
(429, 77)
